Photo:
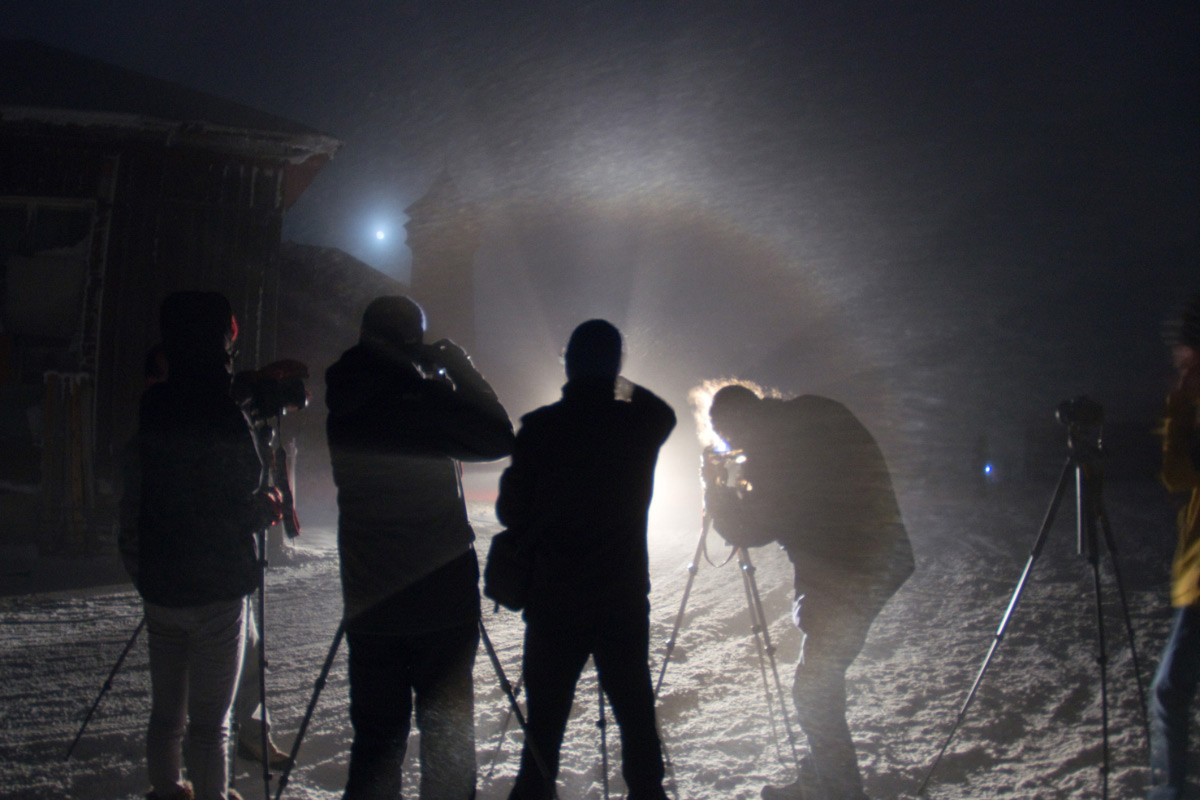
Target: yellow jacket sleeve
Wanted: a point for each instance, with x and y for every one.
(1179, 474)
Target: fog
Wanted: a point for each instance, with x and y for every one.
(948, 216)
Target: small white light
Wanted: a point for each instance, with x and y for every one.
(379, 235)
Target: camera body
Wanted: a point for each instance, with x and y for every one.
(1081, 411)
(724, 470)
(273, 390)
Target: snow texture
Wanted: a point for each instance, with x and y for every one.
(1032, 731)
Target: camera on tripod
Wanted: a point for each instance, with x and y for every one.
(273, 390)
(724, 469)
(1081, 411)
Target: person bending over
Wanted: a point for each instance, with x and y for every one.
(815, 482)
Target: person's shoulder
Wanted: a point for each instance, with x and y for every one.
(542, 416)
(812, 404)
(364, 370)
(357, 358)
(648, 403)
(811, 401)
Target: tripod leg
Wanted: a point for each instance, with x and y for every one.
(262, 659)
(749, 571)
(312, 704)
(507, 688)
(104, 689)
(1110, 543)
(1034, 553)
(756, 628)
(503, 730)
(1102, 661)
(692, 569)
(602, 724)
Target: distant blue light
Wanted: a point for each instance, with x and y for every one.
(987, 469)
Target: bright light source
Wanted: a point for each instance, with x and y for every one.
(987, 469)
(380, 235)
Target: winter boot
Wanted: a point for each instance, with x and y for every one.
(792, 791)
(251, 750)
(182, 793)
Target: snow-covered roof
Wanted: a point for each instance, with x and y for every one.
(48, 86)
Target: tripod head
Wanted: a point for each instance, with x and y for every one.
(1084, 420)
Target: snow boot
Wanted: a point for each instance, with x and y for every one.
(251, 750)
(182, 793)
(792, 791)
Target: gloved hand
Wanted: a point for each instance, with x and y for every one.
(270, 507)
(450, 355)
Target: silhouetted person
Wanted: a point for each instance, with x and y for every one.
(401, 416)
(577, 494)
(818, 485)
(248, 699)
(1178, 674)
(200, 505)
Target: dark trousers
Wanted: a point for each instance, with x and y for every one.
(1171, 698)
(552, 665)
(386, 671)
(835, 626)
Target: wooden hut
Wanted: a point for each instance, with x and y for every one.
(116, 189)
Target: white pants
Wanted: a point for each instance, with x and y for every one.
(195, 658)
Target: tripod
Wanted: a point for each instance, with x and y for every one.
(319, 685)
(269, 435)
(758, 626)
(1083, 464)
(107, 685)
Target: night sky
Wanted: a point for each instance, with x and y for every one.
(949, 215)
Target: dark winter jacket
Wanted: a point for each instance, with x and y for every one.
(399, 420)
(577, 494)
(200, 469)
(819, 486)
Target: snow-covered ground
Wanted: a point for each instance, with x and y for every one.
(1033, 730)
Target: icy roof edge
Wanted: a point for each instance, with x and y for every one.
(292, 147)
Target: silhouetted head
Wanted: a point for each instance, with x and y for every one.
(594, 351)
(732, 410)
(393, 320)
(198, 331)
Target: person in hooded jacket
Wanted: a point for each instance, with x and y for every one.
(577, 496)
(401, 416)
(814, 480)
(199, 507)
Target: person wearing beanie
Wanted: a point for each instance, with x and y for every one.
(1178, 673)
(577, 495)
(402, 415)
(199, 505)
(816, 483)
